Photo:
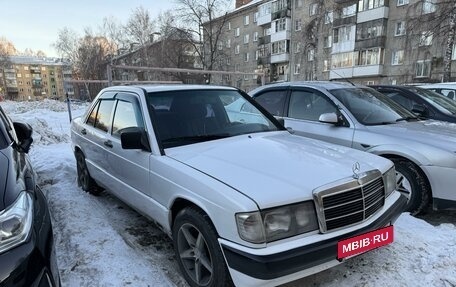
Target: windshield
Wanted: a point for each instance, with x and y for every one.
(187, 117)
(370, 107)
(442, 103)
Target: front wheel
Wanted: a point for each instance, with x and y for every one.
(198, 253)
(412, 184)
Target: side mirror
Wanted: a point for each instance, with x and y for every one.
(419, 109)
(280, 120)
(134, 138)
(329, 118)
(24, 135)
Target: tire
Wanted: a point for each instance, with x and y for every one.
(412, 183)
(197, 250)
(85, 181)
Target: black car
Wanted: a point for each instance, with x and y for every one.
(424, 103)
(27, 256)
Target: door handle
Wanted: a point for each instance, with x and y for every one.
(83, 131)
(108, 143)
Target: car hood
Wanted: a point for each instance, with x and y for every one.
(275, 168)
(436, 133)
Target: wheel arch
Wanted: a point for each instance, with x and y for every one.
(181, 203)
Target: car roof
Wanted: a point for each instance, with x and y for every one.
(328, 85)
(165, 88)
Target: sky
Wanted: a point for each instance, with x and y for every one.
(36, 24)
(101, 242)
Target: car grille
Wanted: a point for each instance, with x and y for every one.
(346, 207)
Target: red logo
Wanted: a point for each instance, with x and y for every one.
(365, 242)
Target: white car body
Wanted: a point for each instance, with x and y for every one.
(243, 173)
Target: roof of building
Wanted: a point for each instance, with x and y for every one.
(31, 60)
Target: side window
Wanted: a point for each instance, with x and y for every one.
(93, 115)
(8, 125)
(401, 100)
(104, 115)
(125, 116)
(307, 105)
(273, 101)
(449, 93)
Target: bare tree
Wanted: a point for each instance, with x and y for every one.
(205, 19)
(436, 19)
(140, 26)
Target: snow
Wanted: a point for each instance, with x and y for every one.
(102, 242)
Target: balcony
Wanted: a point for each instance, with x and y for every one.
(35, 70)
(12, 89)
(279, 36)
(344, 1)
(264, 60)
(281, 14)
(263, 20)
(373, 14)
(344, 21)
(280, 58)
(370, 43)
(264, 40)
(370, 70)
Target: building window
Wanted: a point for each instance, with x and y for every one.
(19, 75)
(229, 26)
(228, 61)
(370, 29)
(237, 67)
(298, 3)
(400, 28)
(349, 11)
(429, 6)
(423, 68)
(298, 24)
(373, 56)
(237, 32)
(297, 47)
(255, 17)
(279, 47)
(364, 5)
(246, 38)
(343, 60)
(329, 17)
(26, 68)
(257, 54)
(325, 65)
(402, 2)
(236, 49)
(220, 45)
(264, 9)
(255, 36)
(342, 34)
(454, 52)
(246, 57)
(327, 41)
(397, 57)
(280, 25)
(310, 54)
(313, 9)
(228, 43)
(297, 69)
(426, 38)
(246, 20)
(43, 68)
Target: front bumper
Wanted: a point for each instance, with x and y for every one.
(257, 269)
(32, 263)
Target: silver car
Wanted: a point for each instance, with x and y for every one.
(424, 152)
(245, 202)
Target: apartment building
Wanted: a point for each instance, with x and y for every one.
(364, 41)
(35, 78)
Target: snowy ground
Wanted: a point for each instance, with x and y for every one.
(102, 242)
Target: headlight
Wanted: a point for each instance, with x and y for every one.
(277, 223)
(390, 181)
(16, 222)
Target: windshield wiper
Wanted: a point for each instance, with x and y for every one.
(406, 119)
(200, 138)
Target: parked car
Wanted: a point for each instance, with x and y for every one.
(447, 89)
(245, 202)
(424, 103)
(27, 255)
(362, 118)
